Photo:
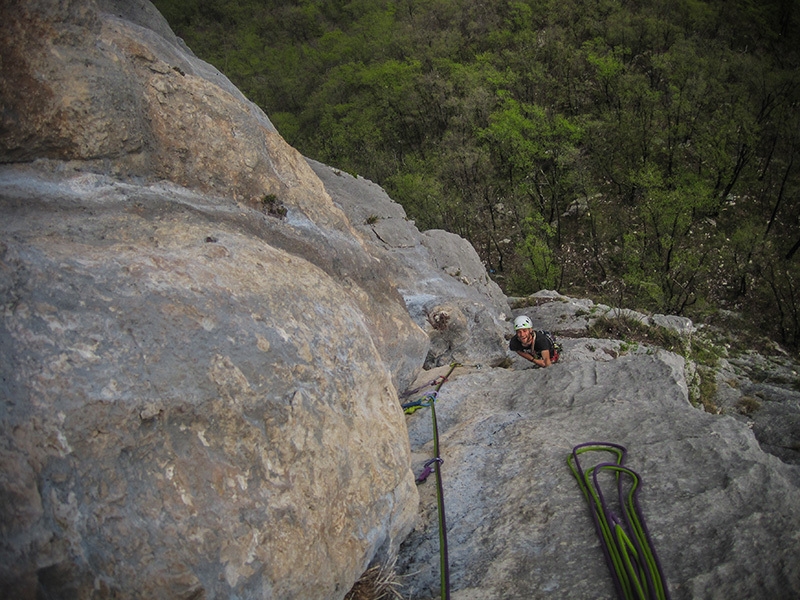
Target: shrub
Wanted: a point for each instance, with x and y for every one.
(272, 206)
(747, 405)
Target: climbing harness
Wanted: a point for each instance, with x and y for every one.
(434, 466)
(557, 349)
(624, 538)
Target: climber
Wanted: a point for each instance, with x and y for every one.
(539, 347)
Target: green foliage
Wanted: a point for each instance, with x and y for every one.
(423, 196)
(672, 127)
(541, 270)
(633, 331)
(705, 391)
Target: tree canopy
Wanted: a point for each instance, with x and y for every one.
(641, 152)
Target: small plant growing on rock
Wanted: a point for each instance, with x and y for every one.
(631, 330)
(703, 389)
(272, 206)
(439, 320)
(747, 405)
(371, 220)
(379, 582)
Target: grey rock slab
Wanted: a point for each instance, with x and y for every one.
(722, 513)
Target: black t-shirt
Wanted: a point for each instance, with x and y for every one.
(540, 342)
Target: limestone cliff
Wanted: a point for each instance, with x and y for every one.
(203, 340)
(199, 363)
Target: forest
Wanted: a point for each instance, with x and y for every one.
(645, 154)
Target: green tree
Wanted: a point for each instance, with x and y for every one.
(636, 151)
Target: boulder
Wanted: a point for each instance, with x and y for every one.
(105, 87)
(187, 410)
(199, 360)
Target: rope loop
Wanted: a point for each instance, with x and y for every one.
(624, 539)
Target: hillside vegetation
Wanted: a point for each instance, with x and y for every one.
(646, 154)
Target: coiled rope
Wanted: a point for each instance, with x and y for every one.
(434, 465)
(624, 538)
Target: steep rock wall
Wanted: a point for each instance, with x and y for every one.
(199, 360)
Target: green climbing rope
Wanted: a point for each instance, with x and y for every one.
(430, 400)
(624, 538)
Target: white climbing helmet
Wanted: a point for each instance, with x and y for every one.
(522, 323)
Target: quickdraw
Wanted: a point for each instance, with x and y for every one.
(624, 538)
(433, 382)
(427, 469)
(427, 400)
(434, 466)
(438, 382)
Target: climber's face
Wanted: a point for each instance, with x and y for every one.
(525, 335)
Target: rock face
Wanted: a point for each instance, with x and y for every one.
(444, 285)
(199, 360)
(759, 391)
(723, 514)
(107, 84)
(176, 419)
(203, 338)
(765, 396)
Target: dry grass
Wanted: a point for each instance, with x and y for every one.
(379, 582)
(633, 331)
